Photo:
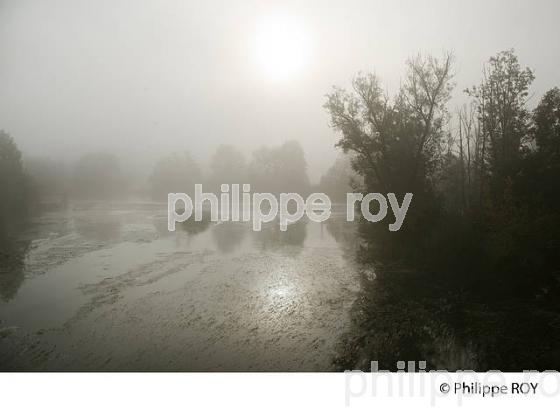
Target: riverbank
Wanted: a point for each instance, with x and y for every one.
(402, 316)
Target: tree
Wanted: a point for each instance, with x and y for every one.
(542, 168)
(424, 96)
(14, 184)
(49, 177)
(546, 131)
(98, 176)
(228, 166)
(501, 104)
(339, 179)
(174, 173)
(395, 144)
(279, 169)
(469, 136)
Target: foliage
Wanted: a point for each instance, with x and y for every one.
(504, 119)
(279, 169)
(14, 185)
(49, 177)
(339, 179)
(482, 235)
(175, 173)
(97, 176)
(228, 166)
(397, 144)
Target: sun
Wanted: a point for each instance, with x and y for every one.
(281, 48)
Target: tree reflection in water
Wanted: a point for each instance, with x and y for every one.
(229, 235)
(270, 237)
(101, 228)
(12, 266)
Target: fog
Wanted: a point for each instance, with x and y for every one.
(423, 139)
(143, 79)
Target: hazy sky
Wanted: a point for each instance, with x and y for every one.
(145, 78)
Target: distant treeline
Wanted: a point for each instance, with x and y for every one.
(27, 183)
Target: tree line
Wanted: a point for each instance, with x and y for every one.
(485, 179)
(476, 263)
(27, 183)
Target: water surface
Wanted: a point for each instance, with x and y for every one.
(107, 287)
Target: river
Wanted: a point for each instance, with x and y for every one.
(99, 286)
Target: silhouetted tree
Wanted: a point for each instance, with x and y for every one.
(541, 170)
(546, 118)
(501, 103)
(500, 251)
(395, 144)
(14, 185)
(468, 129)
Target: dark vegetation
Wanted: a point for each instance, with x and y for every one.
(15, 186)
(472, 280)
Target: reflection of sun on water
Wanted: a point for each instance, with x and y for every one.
(282, 291)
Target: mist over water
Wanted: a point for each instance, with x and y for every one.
(107, 287)
(107, 107)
